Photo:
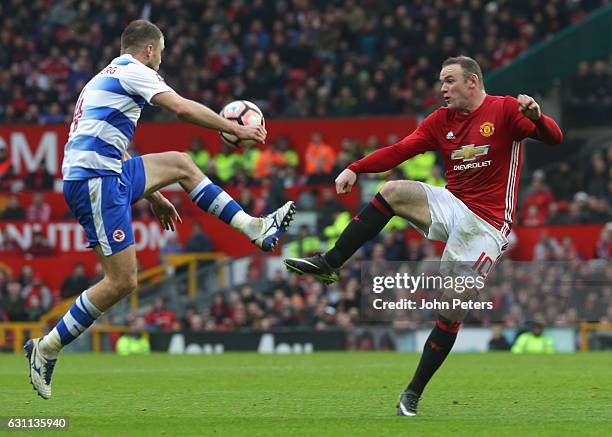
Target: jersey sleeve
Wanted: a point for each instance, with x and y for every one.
(545, 129)
(419, 141)
(521, 126)
(143, 81)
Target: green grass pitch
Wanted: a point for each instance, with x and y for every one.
(317, 394)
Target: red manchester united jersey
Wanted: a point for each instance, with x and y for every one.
(481, 151)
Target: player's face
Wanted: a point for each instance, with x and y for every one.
(155, 59)
(455, 89)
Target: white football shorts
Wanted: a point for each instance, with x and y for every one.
(470, 240)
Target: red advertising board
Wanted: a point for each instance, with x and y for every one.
(31, 145)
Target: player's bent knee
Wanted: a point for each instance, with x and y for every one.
(389, 191)
(184, 164)
(399, 193)
(124, 286)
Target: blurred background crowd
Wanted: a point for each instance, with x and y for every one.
(297, 58)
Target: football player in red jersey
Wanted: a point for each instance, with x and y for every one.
(479, 137)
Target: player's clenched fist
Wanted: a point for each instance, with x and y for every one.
(345, 181)
(529, 107)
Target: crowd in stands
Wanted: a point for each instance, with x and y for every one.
(567, 290)
(587, 98)
(293, 58)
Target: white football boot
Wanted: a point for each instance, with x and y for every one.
(273, 226)
(41, 369)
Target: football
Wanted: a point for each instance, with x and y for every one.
(245, 113)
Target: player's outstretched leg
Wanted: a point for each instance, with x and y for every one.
(264, 232)
(163, 169)
(362, 228)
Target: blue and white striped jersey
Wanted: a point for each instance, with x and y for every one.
(105, 118)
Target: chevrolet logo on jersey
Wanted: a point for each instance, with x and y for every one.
(470, 152)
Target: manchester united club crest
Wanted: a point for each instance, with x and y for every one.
(487, 129)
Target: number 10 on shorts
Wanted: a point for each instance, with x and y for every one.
(483, 265)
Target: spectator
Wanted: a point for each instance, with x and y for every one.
(198, 153)
(135, 341)
(75, 283)
(394, 246)
(27, 275)
(198, 242)
(533, 342)
(563, 181)
(37, 290)
(171, 245)
(328, 208)
(8, 243)
(14, 211)
(292, 158)
(603, 247)
(305, 243)
(34, 309)
(40, 179)
(161, 317)
(535, 206)
(13, 304)
(39, 211)
(597, 176)
(219, 310)
(270, 160)
(498, 341)
(555, 216)
(226, 163)
(319, 156)
(40, 246)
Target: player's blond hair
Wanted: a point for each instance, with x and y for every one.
(138, 34)
(468, 65)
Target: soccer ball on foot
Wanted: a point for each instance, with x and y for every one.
(244, 113)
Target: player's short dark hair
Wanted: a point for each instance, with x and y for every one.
(138, 34)
(469, 66)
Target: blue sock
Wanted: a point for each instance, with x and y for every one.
(81, 315)
(214, 200)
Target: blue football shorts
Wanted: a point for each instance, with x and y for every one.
(102, 206)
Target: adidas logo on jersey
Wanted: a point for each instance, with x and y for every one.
(450, 136)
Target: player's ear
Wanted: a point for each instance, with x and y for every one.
(474, 80)
(149, 50)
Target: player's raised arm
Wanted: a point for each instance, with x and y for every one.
(201, 115)
(529, 121)
(419, 141)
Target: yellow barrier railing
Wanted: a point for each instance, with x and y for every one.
(148, 277)
(18, 330)
(585, 327)
(178, 260)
